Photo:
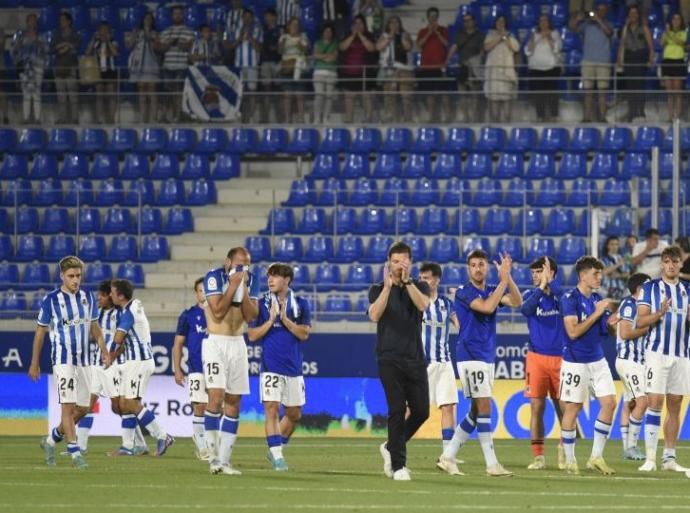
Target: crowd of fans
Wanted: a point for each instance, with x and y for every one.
(359, 49)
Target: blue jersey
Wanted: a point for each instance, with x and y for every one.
(544, 322)
(282, 351)
(632, 350)
(192, 325)
(216, 282)
(669, 336)
(588, 348)
(436, 330)
(134, 324)
(69, 317)
(107, 320)
(477, 339)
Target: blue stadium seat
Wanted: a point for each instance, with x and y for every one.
(434, 221)
(153, 248)
(403, 220)
(366, 140)
(666, 166)
(356, 165)
(36, 301)
(6, 249)
(465, 221)
(583, 227)
(135, 166)
(394, 192)
(151, 221)
(9, 275)
(426, 192)
(79, 192)
(472, 243)
(541, 165)
(645, 192)
(553, 140)
(635, 164)
(615, 193)
(418, 246)
(153, 140)
(444, 249)
(387, 165)
(489, 192)
(529, 221)
(31, 140)
(335, 140)
(510, 165)
(92, 140)
(89, 220)
(313, 220)
(122, 140)
(132, 16)
(604, 165)
(551, 192)
(344, 220)
(273, 140)
(477, 165)
(558, 13)
(417, 165)
(178, 220)
(195, 16)
(242, 140)
(447, 165)
(497, 221)
(585, 139)
(453, 276)
(196, 166)
(350, 248)
(522, 139)
(327, 276)
(165, 165)
(62, 140)
(107, 13)
(133, 273)
(364, 192)
(122, 248)
(666, 145)
(227, 166)
(539, 247)
(332, 191)
(104, 166)
(36, 275)
(456, 191)
(525, 16)
(377, 248)
(139, 192)
(29, 247)
(358, 277)
(5, 221)
(110, 192)
(8, 140)
(301, 279)
(44, 166)
(362, 305)
(518, 193)
(560, 221)
(259, 248)
(304, 141)
(55, 220)
(302, 193)
(203, 192)
(14, 166)
(490, 139)
(573, 165)
(616, 139)
(17, 192)
(12, 304)
(570, 249)
(48, 192)
(459, 140)
(397, 140)
(522, 276)
(325, 165)
(182, 140)
(74, 165)
(96, 273)
(647, 137)
(512, 246)
(212, 140)
(319, 249)
(26, 219)
(621, 223)
(583, 190)
(428, 140)
(280, 220)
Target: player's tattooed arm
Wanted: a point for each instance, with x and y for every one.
(34, 368)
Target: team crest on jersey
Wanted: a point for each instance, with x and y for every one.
(683, 292)
(83, 301)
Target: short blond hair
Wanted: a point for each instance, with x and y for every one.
(71, 262)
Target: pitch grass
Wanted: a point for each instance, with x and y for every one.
(326, 475)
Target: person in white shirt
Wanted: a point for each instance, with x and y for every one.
(543, 57)
(646, 255)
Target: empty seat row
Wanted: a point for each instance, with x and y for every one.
(91, 248)
(38, 275)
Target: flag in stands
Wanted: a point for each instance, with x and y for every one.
(212, 93)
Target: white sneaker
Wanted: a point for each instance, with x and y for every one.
(215, 467)
(539, 463)
(229, 470)
(402, 474)
(672, 465)
(449, 466)
(647, 466)
(387, 465)
(497, 470)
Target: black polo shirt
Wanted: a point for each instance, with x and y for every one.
(399, 330)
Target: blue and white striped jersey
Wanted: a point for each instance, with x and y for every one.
(436, 330)
(133, 322)
(107, 320)
(669, 336)
(69, 317)
(632, 350)
(233, 19)
(287, 9)
(246, 54)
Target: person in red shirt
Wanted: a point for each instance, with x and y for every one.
(433, 41)
(356, 50)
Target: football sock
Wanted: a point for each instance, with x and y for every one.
(129, 424)
(651, 433)
(54, 437)
(601, 433)
(198, 428)
(568, 438)
(463, 431)
(147, 420)
(634, 431)
(275, 446)
(228, 435)
(484, 430)
(211, 428)
(625, 435)
(83, 429)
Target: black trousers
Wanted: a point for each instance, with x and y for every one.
(406, 386)
(544, 83)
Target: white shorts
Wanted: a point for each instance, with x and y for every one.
(286, 390)
(579, 380)
(666, 374)
(442, 387)
(111, 380)
(476, 378)
(226, 364)
(196, 384)
(73, 384)
(135, 377)
(95, 386)
(631, 375)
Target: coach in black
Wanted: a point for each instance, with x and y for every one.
(396, 306)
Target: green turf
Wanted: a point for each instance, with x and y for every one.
(326, 475)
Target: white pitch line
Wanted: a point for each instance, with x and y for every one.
(330, 506)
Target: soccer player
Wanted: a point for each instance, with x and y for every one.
(282, 326)
(443, 391)
(663, 306)
(133, 337)
(584, 367)
(191, 329)
(70, 314)
(546, 340)
(476, 304)
(224, 354)
(630, 342)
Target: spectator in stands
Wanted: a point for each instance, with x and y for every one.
(674, 69)
(144, 69)
(629, 245)
(205, 50)
(337, 13)
(65, 47)
(355, 50)
(684, 244)
(293, 47)
(325, 73)
(432, 40)
(500, 81)
(373, 14)
(596, 59)
(174, 43)
(29, 55)
(543, 52)
(395, 63)
(104, 47)
(270, 63)
(287, 9)
(469, 45)
(646, 255)
(4, 85)
(616, 271)
(246, 42)
(635, 56)
(233, 18)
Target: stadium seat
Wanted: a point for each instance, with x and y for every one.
(79, 192)
(182, 140)
(491, 139)
(44, 166)
(333, 191)
(358, 276)
(428, 140)
(313, 220)
(203, 192)
(604, 165)
(417, 165)
(453, 276)
(36, 275)
(62, 140)
(645, 192)
(305, 141)
(9, 275)
(139, 192)
(366, 140)
(8, 140)
(356, 165)
(92, 140)
(522, 139)
(560, 221)
(319, 249)
(551, 192)
(6, 250)
(615, 193)
(667, 144)
(74, 165)
(153, 248)
(227, 166)
(647, 137)
(122, 140)
(372, 220)
(434, 221)
(518, 193)
(464, 221)
(48, 192)
(88, 220)
(17, 192)
(553, 140)
(165, 165)
(280, 221)
(522, 276)
(151, 221)
(110, 192)
(344, 220)
(153, 140)
(5, 221)
(29, 247)
(96, 273)
(622, 222)
(377, 249)
(477, 165)
(349, 249)
(335, 140)
(301, 279)
(325, 165)
(302, 193)
(387, 165)
(570, 249)
(497, 221)
(364, 192)
(212, 140)
(635, 164)
(426, 192)
(457, 191)
(12, 304)
(616, 139)
(104, 166)
(459, 140)
(14, 166)
(444, 249)
(572, 165)
(272, 141)
(418, 246)
(135, 166)
(582, 194)
(196, 166)
(666, 166)
(541, 165)
(131, 272)
(397, 140)
(585, 139)
(472, 243)
(539, 247)
(583, 227)
(259, 248)
(394, 192)
(178, 220)
(510, 165)
(26, 220)
(362, 305)
(489, 192)
(327, 276)
(403, 220)
(122, 248)
(512, 246)
(447, 165)
(242, 140)
(31, 140)
(530, 221)
(55, 220)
